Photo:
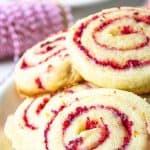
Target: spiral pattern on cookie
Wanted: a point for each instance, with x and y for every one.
(111, 42)
(46, 67)
(34, 114)
(100, 119)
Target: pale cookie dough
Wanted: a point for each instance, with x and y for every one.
(46, 67)
(101, 119)
(25, 128)
(112, 48)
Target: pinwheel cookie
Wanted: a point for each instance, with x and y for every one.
(86, 119)
(112, 48)
(24, 127)
(46, 67)
(101, 119)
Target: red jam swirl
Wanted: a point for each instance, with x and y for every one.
(127, 124)
(26, 120)
(91, 124)
(145, 19)
(40, 107)
(127, 30)
(55, 40)
(48, 46)
(131, 63)
(47, 129)
(25, 65)
(124, 30)
(45, 47)
(57, 111)
(73, 144)
(46, 50)
(39, 83)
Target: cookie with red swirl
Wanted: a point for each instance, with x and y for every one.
(82, 118)
(46, 67)
(112, 48)
(105, 119)
(24, 127)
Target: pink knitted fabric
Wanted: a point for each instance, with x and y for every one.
(24, 24)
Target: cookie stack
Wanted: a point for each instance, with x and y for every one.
(78, 86)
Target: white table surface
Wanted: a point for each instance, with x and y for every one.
(78, 12)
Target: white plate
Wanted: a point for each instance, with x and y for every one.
(80, 3)
(9, 100)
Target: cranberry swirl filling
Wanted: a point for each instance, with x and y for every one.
(39, 109)
(45, 48)
(50, 49)
(121, 31)
(91, 124)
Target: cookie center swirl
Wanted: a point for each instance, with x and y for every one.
(115, 40)
(120, 34)
(92, 128)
